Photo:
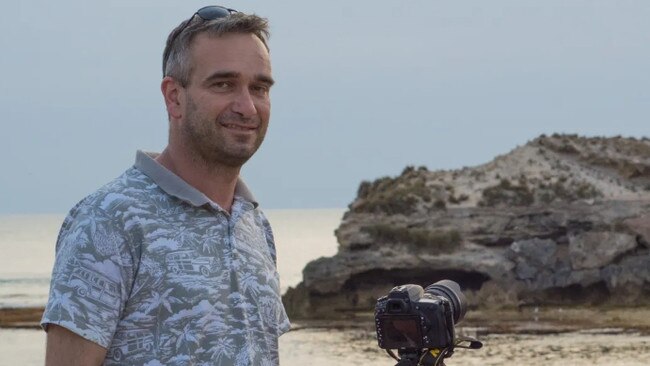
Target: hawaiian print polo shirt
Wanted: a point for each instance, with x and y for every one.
(153, 270)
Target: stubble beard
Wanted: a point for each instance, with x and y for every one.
(206, 140)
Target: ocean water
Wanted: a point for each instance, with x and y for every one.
(27, 254)
(27, 250)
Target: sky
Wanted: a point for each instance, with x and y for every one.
(364, 89)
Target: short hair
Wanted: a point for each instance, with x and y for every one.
(176, 56)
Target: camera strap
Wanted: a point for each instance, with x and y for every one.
(468, 342)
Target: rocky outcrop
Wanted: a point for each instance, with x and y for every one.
(590, 250)
(563, 219)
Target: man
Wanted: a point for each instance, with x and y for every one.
(173, 263)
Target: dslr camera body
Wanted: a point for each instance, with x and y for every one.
(410, 318)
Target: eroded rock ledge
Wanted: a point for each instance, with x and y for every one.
(561, 220)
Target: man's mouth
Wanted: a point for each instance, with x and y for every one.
(239, 127)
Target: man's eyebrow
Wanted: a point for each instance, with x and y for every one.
(265, 79)
(221, 75)
(217, 75)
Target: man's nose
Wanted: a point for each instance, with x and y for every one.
(244, 104)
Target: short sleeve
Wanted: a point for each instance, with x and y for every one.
(91, 276)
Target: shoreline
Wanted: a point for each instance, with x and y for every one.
(21, 318)
(527, 320)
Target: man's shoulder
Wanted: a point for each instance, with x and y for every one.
(129, 189)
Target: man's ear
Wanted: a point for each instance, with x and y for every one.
(171, 91)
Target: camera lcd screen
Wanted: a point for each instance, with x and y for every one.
(401, 331)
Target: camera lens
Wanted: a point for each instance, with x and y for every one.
(450, 290)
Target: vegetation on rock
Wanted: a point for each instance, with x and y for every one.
(438, 241)
(400, 195)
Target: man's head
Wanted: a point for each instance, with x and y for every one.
(217, 78)
(214, 20)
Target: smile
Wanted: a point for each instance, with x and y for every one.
(239, 127)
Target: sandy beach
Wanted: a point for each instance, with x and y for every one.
(527, 336)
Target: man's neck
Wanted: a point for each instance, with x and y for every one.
(216, 182)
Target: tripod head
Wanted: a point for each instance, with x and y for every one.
(432, 357)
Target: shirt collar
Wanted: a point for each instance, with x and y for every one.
(177, 187)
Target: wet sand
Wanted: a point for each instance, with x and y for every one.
(536, 320)
(26, 317)
(320, 347)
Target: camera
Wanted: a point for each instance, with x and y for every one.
(410, 318)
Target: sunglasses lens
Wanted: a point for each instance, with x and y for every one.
(205, 13)
(213, 12)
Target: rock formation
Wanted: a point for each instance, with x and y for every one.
(561, 220)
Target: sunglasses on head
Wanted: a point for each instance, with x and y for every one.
(210, 12)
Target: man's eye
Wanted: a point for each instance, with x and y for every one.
(261, 89)
(221, 85)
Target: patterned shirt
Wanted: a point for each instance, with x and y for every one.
(153, 270)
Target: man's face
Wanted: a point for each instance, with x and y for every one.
(227, 104)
